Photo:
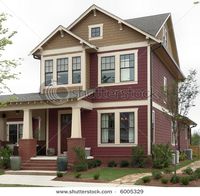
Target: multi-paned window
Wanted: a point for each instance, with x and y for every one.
(76, 70)
(127, 67)
(95, 32)
(48, 72)
(108, 128)
(62, 71)
(108, 69)
(127, 127)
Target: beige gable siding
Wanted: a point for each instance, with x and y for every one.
(57, 42)
(112, 35)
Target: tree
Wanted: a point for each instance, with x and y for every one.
(178, 99)
(196, 138)
(7, 67)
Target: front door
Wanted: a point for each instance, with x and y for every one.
(65, 130)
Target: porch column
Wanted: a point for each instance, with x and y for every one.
(76, 139)
(27, 145)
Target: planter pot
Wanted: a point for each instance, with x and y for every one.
(61, 163)
(15, 162)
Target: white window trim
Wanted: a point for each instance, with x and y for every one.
(154, 126)
(165, 84)
(172, 135)
(117, 127)
(117, 68)
(69, 56)
(165, 37)
(94, 26)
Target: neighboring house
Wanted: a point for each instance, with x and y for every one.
(101, 87)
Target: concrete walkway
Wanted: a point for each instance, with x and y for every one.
(193, 165)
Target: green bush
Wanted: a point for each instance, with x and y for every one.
(182, 156)
(146, 179)
(164, 180)
(78, 167)
(112, 164)
(5, 154)
(138, 158)
(193, 177)
(98, 162)
(96, 176)
(188, 171)
(77, 175)
(161, 155)
(175, 179)
(91, 164)
(124, 163)
(156, 174)
(185, 180)
(167, 170)
(59, 174)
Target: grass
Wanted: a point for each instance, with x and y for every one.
(1, 172)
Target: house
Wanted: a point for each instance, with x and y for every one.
(101, 87)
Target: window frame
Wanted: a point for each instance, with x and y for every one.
(90, 27)
(67, 70)
(117, 127)
(74, 70)
(49, 72)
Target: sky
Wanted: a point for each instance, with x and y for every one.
(35, 19)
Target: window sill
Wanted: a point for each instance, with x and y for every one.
(117, 84)
(95, 38)
(117, 145)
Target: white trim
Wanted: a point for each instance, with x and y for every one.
(47, 129)
(159, 107)
(119, 20)
(149, 100)
(162, 25)
(95, 26)
(117, 127)
(153, 126)
(123, 46)
(60, 112)
(117, 67)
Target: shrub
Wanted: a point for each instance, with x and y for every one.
(197, 173)
(194, 176)
(188, 171)
(124, 163)
(146, 179)
(175, 179)
(77, 175)
(91, 164)
(182, 156)
(112, 164)
(98, 162)
(5, 154)
(168, 171)
(78, 167)
(96, 176)
(185, 180)
(156, 174)
(59, 174)
(138, 158)
(161, 155)
(164, 180)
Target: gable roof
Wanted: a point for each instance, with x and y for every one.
(150, 24)
(61, 28)
(95, 7)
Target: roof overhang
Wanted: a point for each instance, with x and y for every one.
(185, 120)
(61, 29)
(95, 7)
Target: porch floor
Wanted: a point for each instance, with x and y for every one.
(48, 158)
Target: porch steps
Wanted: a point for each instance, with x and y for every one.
(31, 172)
(45, 165)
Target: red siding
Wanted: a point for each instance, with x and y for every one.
(121, 92)
(184, 141)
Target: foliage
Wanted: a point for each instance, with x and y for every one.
(156, 174)
(146, 179)
(175, 179)
(197, 172)
(182, 156)
(164, 180)
(167, 170)
(124, 163)
(59, 174)
(138, 158)
(77, 175)
(96, 176)
(112, 164)
(5, 154)
(98, 162)
(91, 164)
(162, 155)
(7, 67)
(82, 166)
(185, 180)
(196, 138)
(194, 176)
(188, 171)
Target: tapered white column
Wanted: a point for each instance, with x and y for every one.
(27, 125)
(76, 123)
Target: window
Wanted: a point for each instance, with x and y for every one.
(107, 128)
(62, 71)
(48, 72)
(173, 135)
(14, 132)
(153, 126)
(165, 37)
(127, 67)
(127, 127)
(108, 69)
(76, 70)
(95, 31)
(165, 85)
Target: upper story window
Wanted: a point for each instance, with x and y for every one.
(165, 37)
(95, 31)
(108, 69)
(76, 70)
(62, 71)
(48, 72)
(127, 67)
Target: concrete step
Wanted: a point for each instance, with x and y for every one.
(33, 167)
(31, 172)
